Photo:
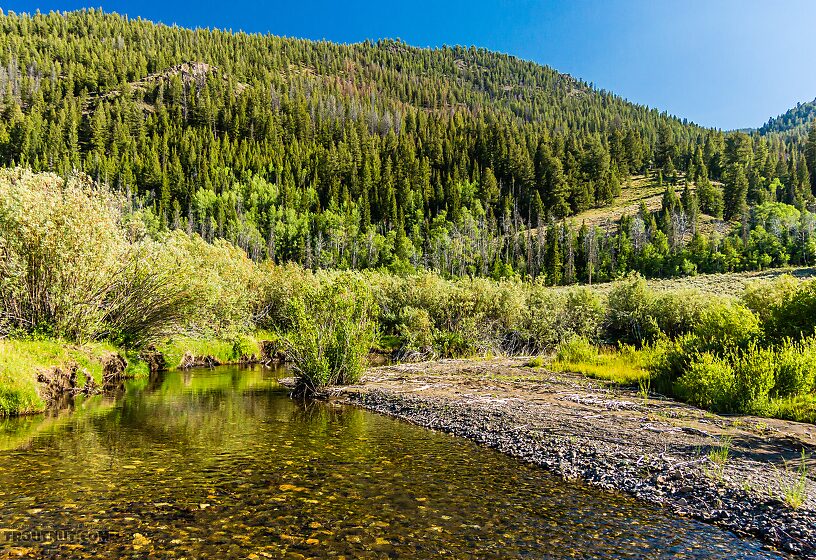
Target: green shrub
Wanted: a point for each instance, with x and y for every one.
(333, 330)
(280, 285)
(56, 264)
(72, 266)
(725, 325)
(552, 316)
(541, 323)
(795, 315)
(454, 345)
(800, 408)
(415, 328)
(628, 316)
(535, 362)
(796, 368)
(678, 312)
(764, 296)
(668, 360)
(754, 376)
(708, 382)
(243, 345)
(582, 315)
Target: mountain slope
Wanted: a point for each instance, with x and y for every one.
(81, 72)
(797, 119)
(368, 155)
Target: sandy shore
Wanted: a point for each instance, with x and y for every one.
(654, 449)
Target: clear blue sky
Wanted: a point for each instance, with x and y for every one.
(728, 64)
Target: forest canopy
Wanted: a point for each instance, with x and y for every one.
(382, 155)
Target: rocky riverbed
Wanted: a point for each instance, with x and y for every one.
(740, 473)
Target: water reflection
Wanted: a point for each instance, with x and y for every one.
(221, 464)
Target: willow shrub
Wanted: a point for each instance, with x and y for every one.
(552, 317)
(59, 251)
(457, 317)
(640, 315)
(796, 368)
(332, 331)
(707, 382)
(794, 313)
(72, 266)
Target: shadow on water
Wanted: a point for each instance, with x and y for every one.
(221, 463)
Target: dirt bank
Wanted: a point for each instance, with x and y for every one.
(657, 450)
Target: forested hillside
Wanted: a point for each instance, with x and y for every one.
(385, 155)
(795, 120)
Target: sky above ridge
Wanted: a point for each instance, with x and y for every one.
(721, 63)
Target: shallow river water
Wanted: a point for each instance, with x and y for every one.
(221, 464)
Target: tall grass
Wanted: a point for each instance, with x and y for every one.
(624, 366)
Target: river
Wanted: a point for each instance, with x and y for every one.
(222, 464)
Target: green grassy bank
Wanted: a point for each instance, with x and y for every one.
(21, 360)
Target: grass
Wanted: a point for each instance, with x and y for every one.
(794, 492)
(535, 362)
(20, 361)
(719, 454)
(623, 367)
(638, 189)
(800, 408)
(645, 388)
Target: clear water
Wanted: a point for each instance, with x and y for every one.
(221, 464)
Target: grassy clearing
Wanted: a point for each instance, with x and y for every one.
(624, 367)
(636, 191)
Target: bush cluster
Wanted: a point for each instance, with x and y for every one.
(122, 277)
(744, 355)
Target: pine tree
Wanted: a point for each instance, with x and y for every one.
(554, 259)
(735, 194)
(810, 154)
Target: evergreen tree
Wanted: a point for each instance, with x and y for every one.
(736, 193)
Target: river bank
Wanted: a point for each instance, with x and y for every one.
(739, 473)
(41, 374)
